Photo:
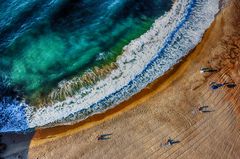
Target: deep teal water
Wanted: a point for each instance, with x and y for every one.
(44, 42)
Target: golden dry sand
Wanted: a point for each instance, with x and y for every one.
(166, 109)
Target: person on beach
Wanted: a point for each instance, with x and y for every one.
(215, 85)
(204, 109)
(170, 142)
(104, 137)
(230, 85)
(207, 69)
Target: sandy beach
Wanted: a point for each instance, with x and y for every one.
(166, 108)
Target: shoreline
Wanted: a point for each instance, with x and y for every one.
(44, 135)
(168, 111)
(144, 70)
(146, 58)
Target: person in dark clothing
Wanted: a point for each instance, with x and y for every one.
(215, 85)
(172, 142)
(230, 85)
(207, 69)
(104, 137)
(204, 109)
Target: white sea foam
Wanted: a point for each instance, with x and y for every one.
(143, 60)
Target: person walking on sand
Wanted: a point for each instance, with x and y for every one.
(207, 69)
(204, 109)
(170, 142)
(215, 85)
(230, 85)
(104, 137)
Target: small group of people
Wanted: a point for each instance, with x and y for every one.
(215, 85)
(202, 109)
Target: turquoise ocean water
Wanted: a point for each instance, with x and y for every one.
(46, 41)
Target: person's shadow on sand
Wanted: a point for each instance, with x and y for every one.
(15, 146)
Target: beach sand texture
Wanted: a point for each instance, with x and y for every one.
(167, 108)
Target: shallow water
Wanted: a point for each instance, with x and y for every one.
(44, 42)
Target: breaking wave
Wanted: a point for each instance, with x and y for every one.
(171, 37)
